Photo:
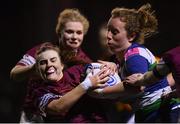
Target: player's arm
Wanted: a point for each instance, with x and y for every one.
(64, 103)
(119, 91)
(133, 65)
(150, 77)
(139, 79)
(25, 68)
(21, 72)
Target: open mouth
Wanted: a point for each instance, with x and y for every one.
(50, 70)
(73, 42)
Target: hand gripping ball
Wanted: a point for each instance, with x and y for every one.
(94, 68)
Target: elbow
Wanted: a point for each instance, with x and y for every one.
(57, 109)
(14, 77)
(61, 111)
(17, 75)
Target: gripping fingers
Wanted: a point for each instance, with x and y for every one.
(104, 73)
(102, 82)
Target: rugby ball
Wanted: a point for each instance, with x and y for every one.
(94, 68)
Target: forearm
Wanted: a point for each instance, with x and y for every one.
(148, 79)
(20, 73)
(116, 89)
(64, 103)
(120, 91)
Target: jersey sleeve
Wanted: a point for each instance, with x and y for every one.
(29, 57)
(44, 100)
(137, 64)
(41, 95)
(139, 60)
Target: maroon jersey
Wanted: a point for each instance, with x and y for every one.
(80, 58)
(172, 59)
(87, 109)
(29, 57)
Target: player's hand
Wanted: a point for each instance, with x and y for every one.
(99, 80)
(96, 81)
(133, 79)
(111, 66)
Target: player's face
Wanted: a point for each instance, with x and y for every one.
(49, 66)
(117, 35)
(73, 34)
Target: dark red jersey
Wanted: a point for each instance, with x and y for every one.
(29, 57)
(172, 59)
(87, 109)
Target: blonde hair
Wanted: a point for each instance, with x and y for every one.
(69, 15)
(142, 22)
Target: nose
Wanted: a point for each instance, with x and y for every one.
(109, 35)
(74, 36)
(49, 63)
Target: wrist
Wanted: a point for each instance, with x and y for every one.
(86, 84)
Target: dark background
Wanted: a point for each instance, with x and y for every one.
(24, 23)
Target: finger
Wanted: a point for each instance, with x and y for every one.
(104, 74)
(102, 85)
(103, 66)
(104, 80)
(101, 61)
(102, 71)
(113, 68)
(129, 80)
(112, 71)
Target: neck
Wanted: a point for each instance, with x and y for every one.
(120, 55)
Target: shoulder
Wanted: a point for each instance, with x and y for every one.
(140, 51)
(75, 71)
(74, 74)
(29, 57)
(172, 56)
(75, 68)
(83, 55)
(33, 50)
(172, 53)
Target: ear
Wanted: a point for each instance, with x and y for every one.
(132, 36)
(62, 66)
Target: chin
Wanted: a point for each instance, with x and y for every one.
(52, 79)
(74, 47)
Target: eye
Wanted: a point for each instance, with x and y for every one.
(42, 62)
(79, 32)
(53, 59)
(69, 31)
(114, 31)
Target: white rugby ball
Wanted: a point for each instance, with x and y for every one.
(94, 68)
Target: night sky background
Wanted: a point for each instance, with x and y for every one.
(25, 23)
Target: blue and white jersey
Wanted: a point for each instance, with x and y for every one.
(139, 59)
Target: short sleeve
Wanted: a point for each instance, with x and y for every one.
(44, 100)
(136, 64)
(29, 57)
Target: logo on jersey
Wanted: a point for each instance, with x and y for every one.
(112, 80)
